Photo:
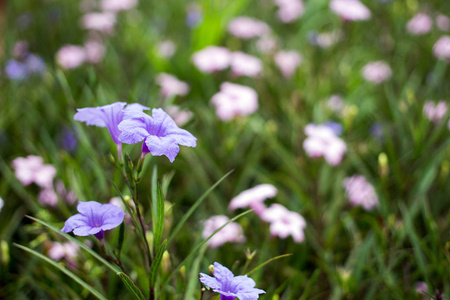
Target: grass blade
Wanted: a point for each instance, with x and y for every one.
(158, 230)
(131, 286)
(268, 261)
(156, 263)
(64, 270)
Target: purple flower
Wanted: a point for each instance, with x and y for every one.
(94, 218)
(229, 286)
(16, 70)
(108, 116)
(159, 132)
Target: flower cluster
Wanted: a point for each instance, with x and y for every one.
(360, 192)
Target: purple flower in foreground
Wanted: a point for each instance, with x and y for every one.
(108, 116)
(94, 218)
(229, 286)
(159, 132)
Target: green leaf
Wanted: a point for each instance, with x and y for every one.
(64, 270)
(158, 230)
(121, 238)
(194, 207)
(268, 261)
(131, 286)
(156, 262)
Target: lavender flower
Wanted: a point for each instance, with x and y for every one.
(229, 286)
(16, 70)
(108, 116)
(94, 218)
(360, 192)
(232, 233)
(159, 132)
(254, 198)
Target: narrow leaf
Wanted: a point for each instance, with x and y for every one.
(64, 270)
(156, 262)
(131, 286)
(159, 217)
(268, 261)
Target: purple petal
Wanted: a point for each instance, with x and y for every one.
(98, 116)
(158, 146)
(74, 222)
(209, 281)
(135, 107)
(86, 230)
(133, 131)
(222, 273)
(112, 216)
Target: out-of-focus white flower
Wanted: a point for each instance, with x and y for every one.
(435, 112)
(47, 196)
(180, 117)
(212, 59)
(289, 10)
(70, 56)
(31, 169)
(118, 5)
(267, 43)
(247, 28)
(284, 223)
(350, 10)
(234, 100)
(103, 22)
(336, 103)
(94, 50)
(443, 22)
(171, 86)
(328, 39)
(245, 65)
(360, 192)
(322, 141)
(254, 198)
(232, 233)
(2, 203)
(68, 250)
(287, 62)
(377, 72)
(166, 49)
(419, 24)
(441, 48)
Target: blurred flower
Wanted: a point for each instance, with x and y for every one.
(171, 86)
(70, 56)
(336, 103)
(69, 197)
(232, 233)
(180, 117)
(212, 59)
(94, 218)
(287, 62)
(289, 10)
(68, 250)
(245, 65)
(94, 50)
(254, 198)
(118, 5)
(267, 43)
(103, 22)
(159, 132)
(31, 169)
(20, 49)
(108, 116)
(16, 70)
(360, 192)
(67, 139)
(350, 10)
(247, 28)
(327, 39)
(2, 203)
(47, 196)
(376, 130)
(118, 202)
(443, 22)
(34, 63)
(322, 141)
(435, 112)
(234, 100)
(194, 15)
(284, 223)
(337, 128)
(229, 286)
(419, 24)
(377, 71)
(441, 48)
(166, 49)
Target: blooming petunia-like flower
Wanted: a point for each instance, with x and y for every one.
(254, 198)
(360, 192)
(108, 116)
(159, 132)
(229, 286)
(94, 218)
(232, 233)
(350, 10)
(31, 169)
(284, 223)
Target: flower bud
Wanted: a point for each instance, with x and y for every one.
(383, 164)
(4, 252)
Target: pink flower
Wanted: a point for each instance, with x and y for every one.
(284, 223)
(231, 233)
(68, 250)
(289, 10)
(47, 196)
(322, 141)
(254, 198)
(247, 28)
(376, 72)
(70, 56)
(287, 62)
(103, 22)
(171, 86)
(31, 169)
(435, 112)
(180, 117)
(245, 65)
(350, 10)
(94, 50)
(234, 100)
(328, 39)
(441, 48)
(212, 59)
(267, 43)
(443, 22)
(166, 49)
(118, 5)
(419, 24)
(336, 103)
(360, 192)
